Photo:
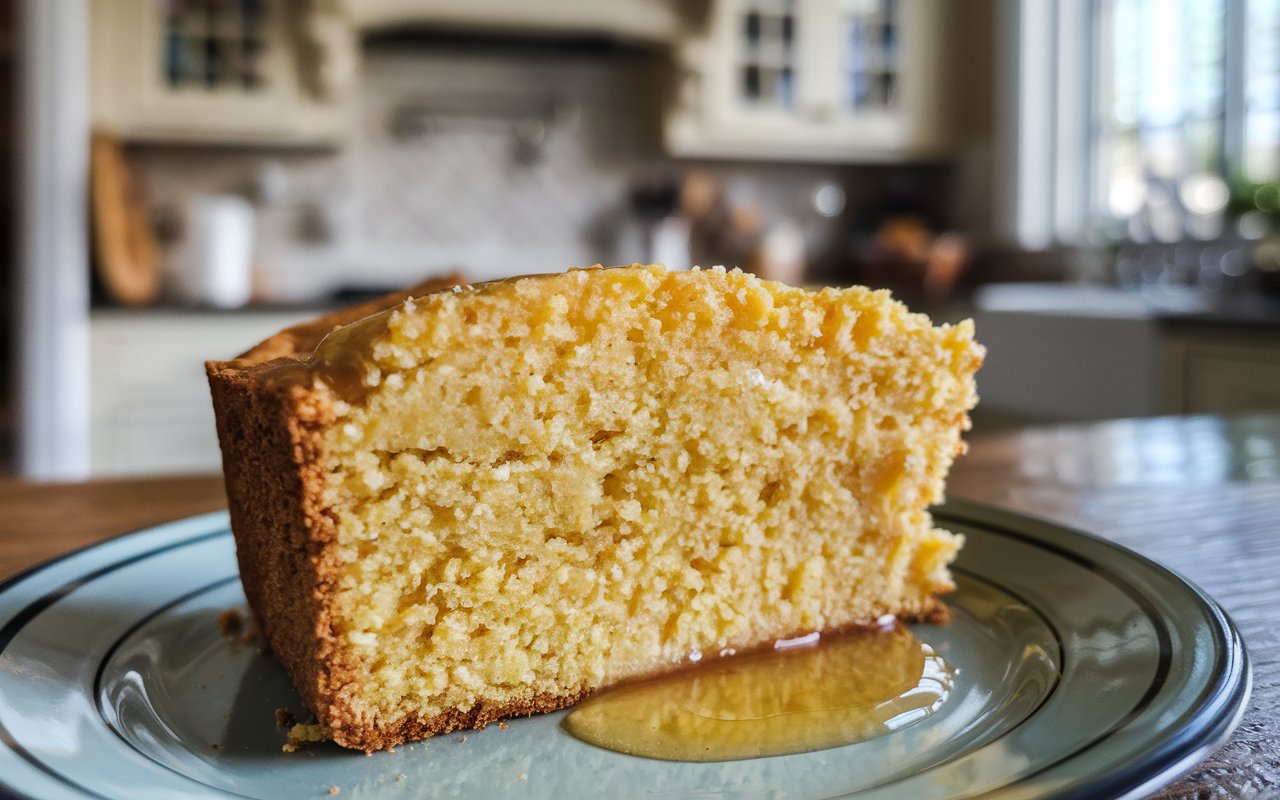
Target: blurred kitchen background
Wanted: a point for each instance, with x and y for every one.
(1094, 181)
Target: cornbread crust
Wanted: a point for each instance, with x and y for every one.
(275, 468)
(273, 431)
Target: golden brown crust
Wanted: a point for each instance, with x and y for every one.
(414, 727)
(268, 436)
(275, 469)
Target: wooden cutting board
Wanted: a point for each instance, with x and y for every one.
(127, 254)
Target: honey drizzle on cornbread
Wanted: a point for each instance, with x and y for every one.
(340, 359)
(839, 690)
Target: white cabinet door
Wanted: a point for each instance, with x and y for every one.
(1222, 372)
(812, 80)
(150, 410)
(222, 72)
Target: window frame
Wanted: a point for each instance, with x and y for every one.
(1052, 93)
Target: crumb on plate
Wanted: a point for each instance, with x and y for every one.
(231, 622)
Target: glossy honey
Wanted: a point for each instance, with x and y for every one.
(792, 699)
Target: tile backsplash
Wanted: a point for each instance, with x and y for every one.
(495, 164)
(495, 159)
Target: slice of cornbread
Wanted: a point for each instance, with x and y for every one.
(496, 499)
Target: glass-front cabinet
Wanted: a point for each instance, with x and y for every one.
(251, 71)
(811, 80)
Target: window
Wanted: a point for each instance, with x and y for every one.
(1187, 112)
(1159, 144)
(1143, 121)
(1260, 158)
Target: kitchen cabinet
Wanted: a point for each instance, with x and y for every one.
(1221, 371)
(149, 407)
(1058, 352)
(1047, 365)
(811, 80)
(220, 71)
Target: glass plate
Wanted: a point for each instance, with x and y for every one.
(1082, 670)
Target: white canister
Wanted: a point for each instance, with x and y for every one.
(218, 267)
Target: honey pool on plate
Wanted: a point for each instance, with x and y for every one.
(803, 695)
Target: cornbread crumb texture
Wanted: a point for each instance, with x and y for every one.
(305, 733)
(230, 623)
(543, 486)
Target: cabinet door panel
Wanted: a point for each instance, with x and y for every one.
(149, 400)
(178, 72)
(837, 80)
(1232, 380)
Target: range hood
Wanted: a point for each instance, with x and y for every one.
(644, 21)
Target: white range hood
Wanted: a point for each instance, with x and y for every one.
(652, 21)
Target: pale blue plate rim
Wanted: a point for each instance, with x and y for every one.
(1220, 704)
(1222, 701)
